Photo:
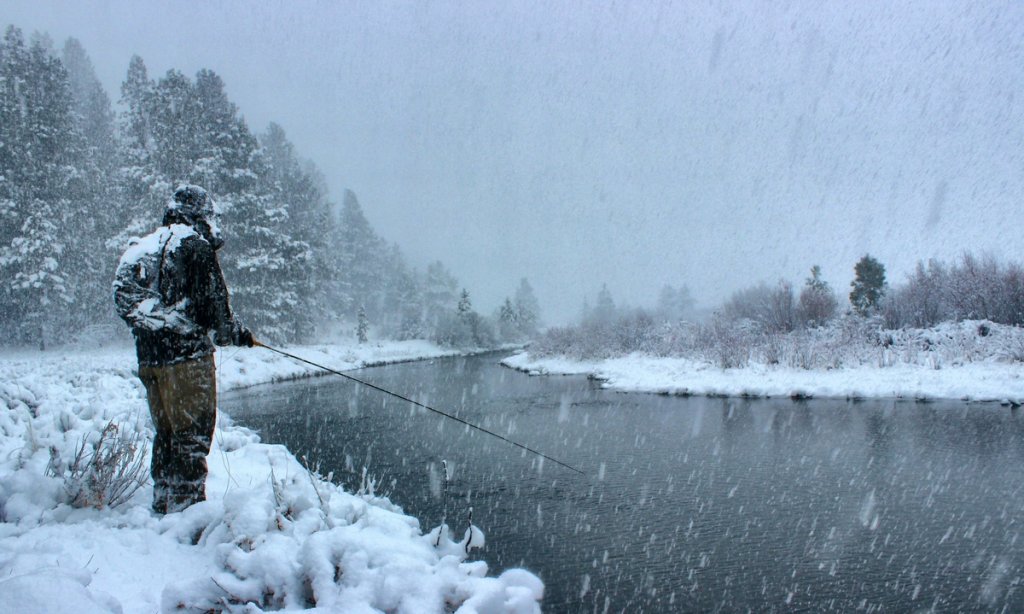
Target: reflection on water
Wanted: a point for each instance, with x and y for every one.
(690, 503)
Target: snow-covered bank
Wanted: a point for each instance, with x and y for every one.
(951, 362)
(271, 534)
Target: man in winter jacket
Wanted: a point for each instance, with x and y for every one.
(170, 290)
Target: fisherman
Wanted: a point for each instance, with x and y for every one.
(170, 290)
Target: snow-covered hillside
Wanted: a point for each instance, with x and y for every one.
(271, 534)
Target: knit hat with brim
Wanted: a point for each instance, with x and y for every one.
(191, 201)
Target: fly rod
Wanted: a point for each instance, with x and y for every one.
(417, 404)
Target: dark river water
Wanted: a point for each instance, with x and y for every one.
(689, 504)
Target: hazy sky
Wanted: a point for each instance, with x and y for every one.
(713, 144)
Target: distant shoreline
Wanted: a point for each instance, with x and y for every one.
(981, 382)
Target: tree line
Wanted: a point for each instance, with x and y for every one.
(79, 179)
(969, 288)
(775, 319)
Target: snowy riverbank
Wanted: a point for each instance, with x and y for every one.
(270, 534)
(949, 362)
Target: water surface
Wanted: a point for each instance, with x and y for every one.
(690, 503)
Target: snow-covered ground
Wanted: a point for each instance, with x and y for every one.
(271, 534)
(949, 362)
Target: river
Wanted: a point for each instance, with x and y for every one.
(689, 504)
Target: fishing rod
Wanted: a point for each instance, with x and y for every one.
(417, 404)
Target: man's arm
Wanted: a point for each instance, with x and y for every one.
(210, 297)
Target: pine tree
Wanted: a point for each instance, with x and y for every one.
(180, 131)
(13, 75)
(360, 258)
(508, 321)
(586, 311)
(817, 301)
(91, 105)
(40, 170)
(465, 306)
(362, 326)
(97, 214)
(309, 222)
(402, 302)
(527, 310)
(868, 285)
(140, 188)
(604, 310)
(674, 304)
(465, 321)
(439, 296)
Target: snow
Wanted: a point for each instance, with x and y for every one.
(986, 375)
(271, 534)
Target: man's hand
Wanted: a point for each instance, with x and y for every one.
(243, 336)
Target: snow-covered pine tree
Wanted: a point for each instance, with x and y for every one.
(141, 189)
(508, 321)
(470, 328)
(362, 326)
(439, 294)
(266, 266)
(459, 329)
(179, 131)
(674, 304)
(361, 260)
(13, 59)
(310, 222)
(402, 304)
(817, 301)
(91, 104)
(40, 168)
(465, 306)
(527, 310)
(97, 212)
(604, 310)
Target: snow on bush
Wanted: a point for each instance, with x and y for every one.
(849, 341)
(105, 472)
(272, 534)
(852, 357)
(295, 542)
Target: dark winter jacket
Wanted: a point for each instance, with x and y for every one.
(169, 288)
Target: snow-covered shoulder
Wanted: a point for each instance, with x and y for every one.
(951, 361)
(271, 535)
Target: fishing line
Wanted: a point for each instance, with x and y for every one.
(418, 404)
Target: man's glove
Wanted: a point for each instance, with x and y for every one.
(243, 336)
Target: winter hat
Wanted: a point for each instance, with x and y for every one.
(191, 201)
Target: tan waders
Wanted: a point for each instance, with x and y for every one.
(183, 402)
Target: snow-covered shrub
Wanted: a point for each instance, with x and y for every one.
(802, 351)
(921, 301)
(104, 473)
(771, 348)
(633, 332)
(727, 343)
(677, 338)
(772, 308)
(592, 339)
(295, 541)
(974, 288)
(1011, 345)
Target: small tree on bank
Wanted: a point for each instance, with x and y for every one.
(868, 285)
(362, 326)
(817, 301)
